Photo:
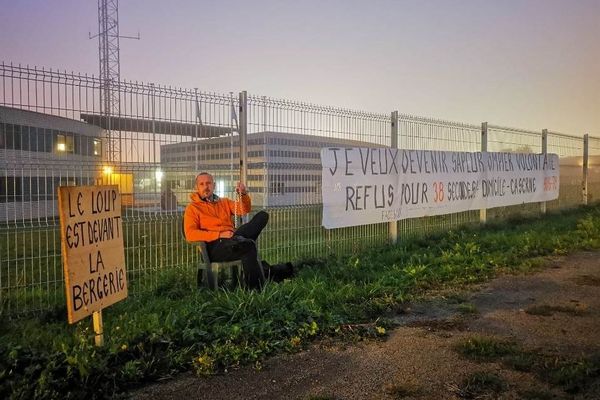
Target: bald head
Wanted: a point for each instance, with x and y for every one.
(205, 185)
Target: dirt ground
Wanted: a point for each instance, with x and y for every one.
(554, 312)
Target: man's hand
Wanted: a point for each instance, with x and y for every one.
(225, 234)
(241, 188)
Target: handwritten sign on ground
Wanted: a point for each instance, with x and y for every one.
(371, 185)
(92, 246)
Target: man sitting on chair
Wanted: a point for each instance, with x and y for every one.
(208, 219)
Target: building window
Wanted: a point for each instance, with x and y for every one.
(64, 143)
(70, 143)
(29, 138)
(2, 135)
(97, 147)
(77, 149)
(25, 138)
(48, 145)
(61, 145)
(13, 137)
(277, 187)
(10, 189)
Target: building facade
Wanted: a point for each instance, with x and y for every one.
(39, 153)
(283, 169)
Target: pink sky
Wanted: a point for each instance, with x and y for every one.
(531, 64)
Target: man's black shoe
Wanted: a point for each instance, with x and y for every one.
(278, 272)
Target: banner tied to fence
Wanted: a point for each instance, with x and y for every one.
(92, 246)
(372, 185)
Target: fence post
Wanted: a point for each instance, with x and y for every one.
(544, 151)
(393, 225)
(484, 149)
(198, 122)
(243, 132)
(584, 183)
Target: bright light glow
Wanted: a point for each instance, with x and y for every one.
(107, 170)
(220, 188)
(61, 147)
(159, 175)
(97, 147)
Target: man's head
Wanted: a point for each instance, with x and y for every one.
(205, 185)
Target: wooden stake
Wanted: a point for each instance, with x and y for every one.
(98, 328)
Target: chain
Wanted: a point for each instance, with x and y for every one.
(236, 217)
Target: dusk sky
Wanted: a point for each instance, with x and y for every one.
(530, 64)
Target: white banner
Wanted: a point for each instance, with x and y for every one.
(371, 185)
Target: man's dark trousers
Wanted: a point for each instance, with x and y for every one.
(243, 246)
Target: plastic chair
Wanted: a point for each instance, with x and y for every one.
(211, 273)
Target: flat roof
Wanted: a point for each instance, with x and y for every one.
(37, 119)
(156, 126)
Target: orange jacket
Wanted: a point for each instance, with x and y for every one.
(204, 220)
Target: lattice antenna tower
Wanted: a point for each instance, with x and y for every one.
(110, 72)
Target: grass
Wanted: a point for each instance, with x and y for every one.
(570, 374)
(484, 348)
(467, 308)
(521, 361)
(482, 385)
(169, 326)
(455, 296)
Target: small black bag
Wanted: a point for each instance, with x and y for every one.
(278, 272)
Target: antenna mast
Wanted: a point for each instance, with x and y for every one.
(110, 72)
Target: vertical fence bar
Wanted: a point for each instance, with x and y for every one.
(484, 149)
(198, 122)
(584, 179)
(393, 225)
(243, 131)
(570, 151)
(594, 170)
(543, 204)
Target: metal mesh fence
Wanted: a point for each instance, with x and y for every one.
(513, 140)
(420, 133)
(570, 153)
(594, 170)
(286, 169)
(53, 133)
